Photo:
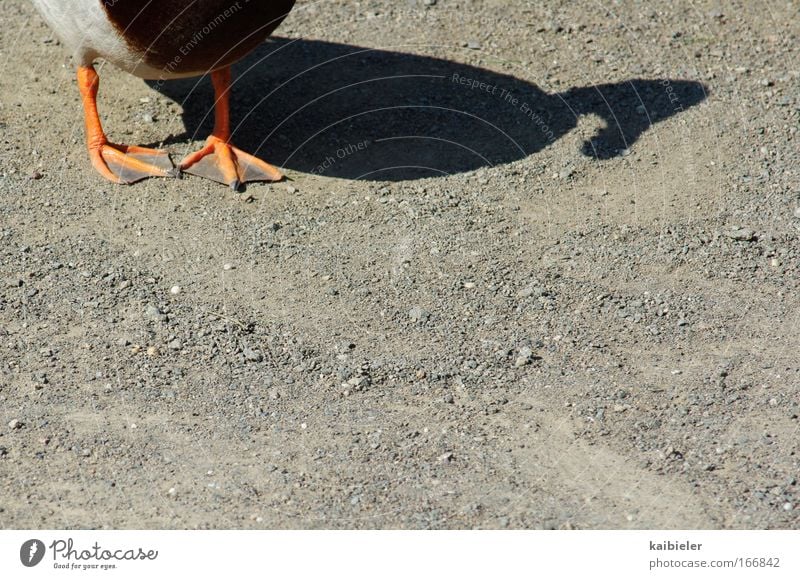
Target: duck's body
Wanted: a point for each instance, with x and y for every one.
(163, 39)
(157, 39)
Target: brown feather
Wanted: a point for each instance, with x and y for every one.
(183, 36)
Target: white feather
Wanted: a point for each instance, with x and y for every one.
(84, 28)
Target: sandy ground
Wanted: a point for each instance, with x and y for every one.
(564, 298)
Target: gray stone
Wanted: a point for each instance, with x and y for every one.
(252, 355)
(418, 314)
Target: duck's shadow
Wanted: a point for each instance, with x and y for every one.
(350, 112)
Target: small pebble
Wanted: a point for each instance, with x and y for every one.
(418, 314)
(346, 346)
(15, 424)
(252, 355)
(357, 382)
(228, 266)
(175, 290)
(741, 234)
(152, 351)
(532, 290)
(524, 357)
(154, 313)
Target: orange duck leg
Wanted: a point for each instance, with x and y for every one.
(118, 163)
(220, 161)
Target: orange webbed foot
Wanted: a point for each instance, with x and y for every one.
(117, 163)
(220, 161)
(128, 164)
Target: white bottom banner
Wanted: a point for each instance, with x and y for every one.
(371, 554)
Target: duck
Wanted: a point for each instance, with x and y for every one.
(160, 40)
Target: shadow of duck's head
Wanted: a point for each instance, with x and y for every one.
(357, 113)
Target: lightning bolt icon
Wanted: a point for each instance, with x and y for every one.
(34, 548)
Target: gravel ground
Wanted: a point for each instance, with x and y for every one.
(564, 298)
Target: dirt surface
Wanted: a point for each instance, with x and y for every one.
(564, 298)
